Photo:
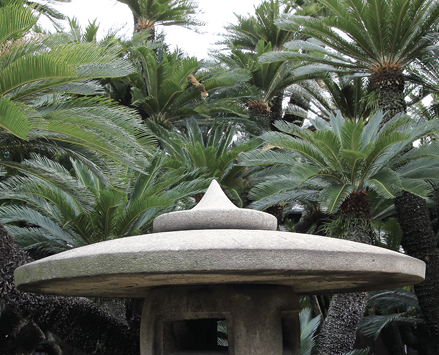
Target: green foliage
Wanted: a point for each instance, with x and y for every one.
(59, 210)
(393, 306)
(389, 234)
(165, 12)
(344, 156)
(168, 88)
(308, 326)
(210, 153)
(265, 80)
(261, 26)
(369, 35)
(40, 79)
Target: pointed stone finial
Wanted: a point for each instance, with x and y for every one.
(215, 198)
(215, 211)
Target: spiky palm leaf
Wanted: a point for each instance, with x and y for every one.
(64, 211)
(34, 69)
(308, 326)
(167, 89)
(261, 26)
(376, 39)
(209, 154)
(267, 82)
(350, 157)
(399, 307)
(148, 13)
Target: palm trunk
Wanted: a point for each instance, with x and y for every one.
(77, 321)
(388, 83)
(338, 332)
(414, 219)
(276, 109)
(418, 240)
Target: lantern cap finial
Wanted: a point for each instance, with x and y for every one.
(215, 211)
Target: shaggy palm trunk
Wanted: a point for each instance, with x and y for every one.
(418, 240)
(388, 82)
(267, 114)
(77, 321)
(338, 332)
(414, 219)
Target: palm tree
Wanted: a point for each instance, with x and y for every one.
(43, 7)
(252, 29)
(380, 40)
(42, 110)
(267, 82)
(209, 153)
(148, 13)
(169, 88)
(338, 164)
(59, 211)
(43, 107)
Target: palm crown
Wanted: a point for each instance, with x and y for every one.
(65, 210)
(345, 157)
(147, 13)
(40, 77)
(374, 38)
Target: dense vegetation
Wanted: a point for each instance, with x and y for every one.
(325, 106)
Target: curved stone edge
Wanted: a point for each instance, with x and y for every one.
(255, 256)
(214, 219)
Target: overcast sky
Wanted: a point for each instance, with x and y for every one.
(111, 13)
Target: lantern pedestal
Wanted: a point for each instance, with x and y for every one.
(261, 319)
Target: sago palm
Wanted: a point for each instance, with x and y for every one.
(396, 318)
(169, 88)
(266, 83)
(40, 79)
(62, 211)
(261, 26)
(208, 153)
(336, 166)
(344, 159)
(149, 13)
(378, 39)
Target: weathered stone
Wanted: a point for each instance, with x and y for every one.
(261, 319)
(215, 211)
(127, 267)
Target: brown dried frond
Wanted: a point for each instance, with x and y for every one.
(258, 106)
(268, 147)
(144, 24)
(193, 81)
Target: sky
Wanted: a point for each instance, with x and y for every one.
(112, 14)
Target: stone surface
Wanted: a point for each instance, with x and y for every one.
(261, 319)
(215, 211)
(128, 267)
(247, 249)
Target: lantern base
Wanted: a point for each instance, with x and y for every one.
(222, 319)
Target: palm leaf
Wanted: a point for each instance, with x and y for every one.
(332, 197)
(16, 20)
(386, 183)
(12, 119)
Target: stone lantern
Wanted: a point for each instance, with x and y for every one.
(216, 263)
